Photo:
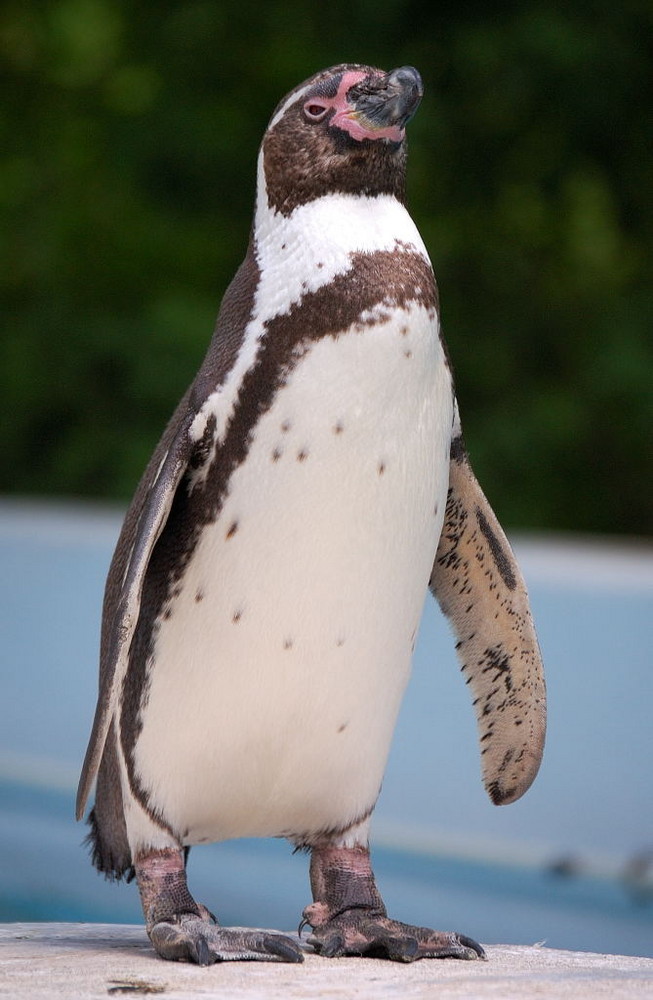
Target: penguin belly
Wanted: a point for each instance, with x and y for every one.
(279, 665)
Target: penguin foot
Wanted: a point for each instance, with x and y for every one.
(189, 938)
(348, 916)
(356, 932)
(182, 930)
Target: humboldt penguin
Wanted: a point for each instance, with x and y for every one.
(262, 603)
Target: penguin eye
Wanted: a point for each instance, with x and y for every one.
(315, 111)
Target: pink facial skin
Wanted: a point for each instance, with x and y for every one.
(347, 119)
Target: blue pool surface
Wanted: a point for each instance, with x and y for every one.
(549, 868)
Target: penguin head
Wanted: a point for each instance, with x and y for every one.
(341, 131)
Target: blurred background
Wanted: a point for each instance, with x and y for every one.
(127, 163)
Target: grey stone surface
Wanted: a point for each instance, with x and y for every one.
(110, 960)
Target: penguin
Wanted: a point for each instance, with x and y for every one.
(262, 603)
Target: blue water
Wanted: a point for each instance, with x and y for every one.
(444, 855)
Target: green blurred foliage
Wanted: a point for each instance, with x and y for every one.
(129, 133)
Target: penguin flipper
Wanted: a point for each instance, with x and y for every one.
(478, 584)
(143, 525)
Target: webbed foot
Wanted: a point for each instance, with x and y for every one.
(189, 938)
(182, 930)
(357, 932)
(348, 916)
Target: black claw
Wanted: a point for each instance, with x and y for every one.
(472, 945)
(283, 948)
(302, 924)
(202, 953)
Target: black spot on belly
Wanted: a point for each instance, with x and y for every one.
(339, 427)
(276, 454)
(302, 455)
(287, 643)
(199, 596)
(167, 614)
(340, 641)
(285, 427)
(342, 728)
(408, 354)
(233, 528)
(381, 468)
(237, 615)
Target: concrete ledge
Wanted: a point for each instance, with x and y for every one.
(99, 960)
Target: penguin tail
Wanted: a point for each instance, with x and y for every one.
(108, 857)
(107, 839)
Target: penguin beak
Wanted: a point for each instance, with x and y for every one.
(387, 102)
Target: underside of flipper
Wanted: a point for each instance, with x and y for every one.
(478, 584)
